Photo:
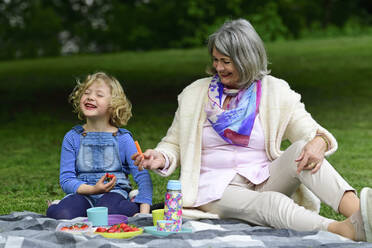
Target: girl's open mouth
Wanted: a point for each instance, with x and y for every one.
(89, 106)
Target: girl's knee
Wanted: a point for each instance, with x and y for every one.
(117, 204)
(51, 211)
(68, 208)
(61, 214)
(108, 199)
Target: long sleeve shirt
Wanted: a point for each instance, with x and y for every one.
(70, 150)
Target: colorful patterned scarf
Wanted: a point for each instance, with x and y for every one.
(235, 123)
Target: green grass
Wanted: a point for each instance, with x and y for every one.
(332, 75)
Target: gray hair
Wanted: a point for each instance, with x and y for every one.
(238, 40)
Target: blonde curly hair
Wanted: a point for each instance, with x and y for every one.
(120, 106)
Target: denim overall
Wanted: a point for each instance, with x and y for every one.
(98, 154)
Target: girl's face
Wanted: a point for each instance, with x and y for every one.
(226, 69)
(95, 101)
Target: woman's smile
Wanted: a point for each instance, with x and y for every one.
(226, 69)
(224, 75)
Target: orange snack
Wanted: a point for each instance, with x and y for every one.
(138, 147)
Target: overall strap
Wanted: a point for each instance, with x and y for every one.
(124, 131)
(78, 129)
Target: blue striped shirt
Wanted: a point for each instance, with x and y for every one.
(70, 150)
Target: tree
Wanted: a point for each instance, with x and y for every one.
(51, 27)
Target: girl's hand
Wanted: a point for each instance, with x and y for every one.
(150, 159)
(312, 155)
(102, 187)
(99, 188)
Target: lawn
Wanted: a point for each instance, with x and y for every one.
(332, 75)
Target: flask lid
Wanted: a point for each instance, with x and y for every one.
(174, 185)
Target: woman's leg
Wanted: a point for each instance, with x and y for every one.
(70, 207)
(274, 209)
(349, 204)
(277, 210)
(327, 183)
(260, 205)
(117, 204)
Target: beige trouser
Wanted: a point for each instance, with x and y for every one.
(268, 204)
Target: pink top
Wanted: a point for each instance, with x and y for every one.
(220, 161)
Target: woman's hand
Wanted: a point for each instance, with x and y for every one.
(99, 188)
(150, 159)
(312, 155)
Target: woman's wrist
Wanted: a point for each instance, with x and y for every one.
(325, 140)
(165, 161)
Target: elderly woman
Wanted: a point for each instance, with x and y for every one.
(227, 133)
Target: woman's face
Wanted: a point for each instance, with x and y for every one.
(226, 69)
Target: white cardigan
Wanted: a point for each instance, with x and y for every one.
(282, 116)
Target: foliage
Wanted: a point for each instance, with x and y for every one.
(47, 28)
(268, 23)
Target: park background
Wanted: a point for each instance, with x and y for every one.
(323, 48)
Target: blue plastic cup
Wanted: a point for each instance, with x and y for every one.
(98, 216)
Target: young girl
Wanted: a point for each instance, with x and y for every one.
(99, 147)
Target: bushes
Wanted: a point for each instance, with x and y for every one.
(48, 28)
(352, 27)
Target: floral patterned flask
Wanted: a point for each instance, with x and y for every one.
(173, 204)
